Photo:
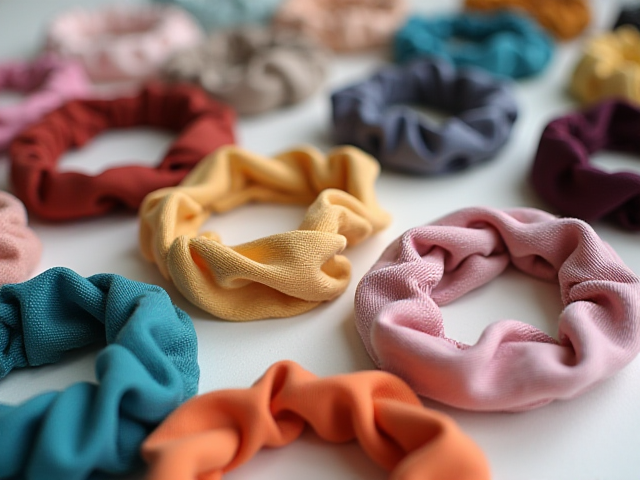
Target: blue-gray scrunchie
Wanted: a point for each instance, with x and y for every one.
(371, 116)
(502, 43)
(148, 368)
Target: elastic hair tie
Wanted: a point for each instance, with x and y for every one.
(564, 178)
(276, 276)
(253, 69)
(504, 44)
(217, 432)
(46, 82)
(565, 19)
(373, 115)
(147, 369)
(20, 249)
(203, 125)
(513, 366)
(629, 15)
(344, 25)
(121, 43)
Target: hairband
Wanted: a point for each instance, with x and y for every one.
(254, 69)
(503, 43)
(147, 369)
(566, 19)
(204, 125)
(629, 15)
(514, 366)
(276, 276)
(563, 176)
(19, 247)
(371, 116)
(120, 43)
(219, 431)
(46, 82)
(609, 67)
(344, 25)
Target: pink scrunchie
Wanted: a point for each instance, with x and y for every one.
(19, 247)
(123, 43)
(514, 366)
(47, 82)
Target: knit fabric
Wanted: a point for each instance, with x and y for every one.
(253, 69)
(513, 366)
(373, 115)
(277, 276)
(219, 431)
(147, 369)
(202, 123)
(563, 176)
(503, 43)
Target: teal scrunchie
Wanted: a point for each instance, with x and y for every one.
(148, 368)
(503, 43)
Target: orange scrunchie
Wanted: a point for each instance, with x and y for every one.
(219, 431)
(566, 19)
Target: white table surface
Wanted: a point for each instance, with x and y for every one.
(594, 437)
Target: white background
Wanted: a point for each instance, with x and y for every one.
(596, 436)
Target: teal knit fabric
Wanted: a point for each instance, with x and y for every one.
(148, 367)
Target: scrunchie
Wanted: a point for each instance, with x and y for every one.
(202, 123)
(47, 83)
(253, 69)
(566, 19)
(219, 431)
(503, 43)
(344, 25)
(19, 247)
(563, 176)
(276, 276)
(120, 43)
(370, 116)
(147, 369)
(629, 15)
(514, 366)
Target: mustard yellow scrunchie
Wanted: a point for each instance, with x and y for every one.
(280, 275)
(610, 67)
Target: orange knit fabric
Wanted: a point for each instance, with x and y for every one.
(219, 431)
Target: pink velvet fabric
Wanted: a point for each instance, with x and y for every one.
(20, 249)
(513, 366)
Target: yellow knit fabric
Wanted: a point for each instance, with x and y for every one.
(610, 67)
(280, 275)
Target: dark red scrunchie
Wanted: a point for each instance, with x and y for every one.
(203, 125)
(563, 176)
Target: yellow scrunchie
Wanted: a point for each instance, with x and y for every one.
(280, 275)
(610, 67)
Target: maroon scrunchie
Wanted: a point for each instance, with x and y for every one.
(203, 125)
(563, 176)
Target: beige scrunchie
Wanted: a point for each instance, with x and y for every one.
(253, 69)
(344, 25)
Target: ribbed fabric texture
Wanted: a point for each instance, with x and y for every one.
(219, 431)
(277, 276)
(513, 366)
(147, 369)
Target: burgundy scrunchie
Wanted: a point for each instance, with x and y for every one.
(563, 176)
(203, 123)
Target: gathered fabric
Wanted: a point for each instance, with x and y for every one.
(20, 248)
(219, 431)
(148, 367)
(513, 366)
(276, 276)
(202, 125)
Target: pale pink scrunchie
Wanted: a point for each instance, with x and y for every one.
(123, 43)
(514, 366)
(47, 83)
(19, 247)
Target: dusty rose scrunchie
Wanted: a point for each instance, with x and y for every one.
(19, 247)
(47, 82)
(122, 43)
(513, 366)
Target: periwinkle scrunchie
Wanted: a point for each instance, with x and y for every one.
(253, 69)
(503, 43)
(513, 366)
(147, 369)
(371, 116)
